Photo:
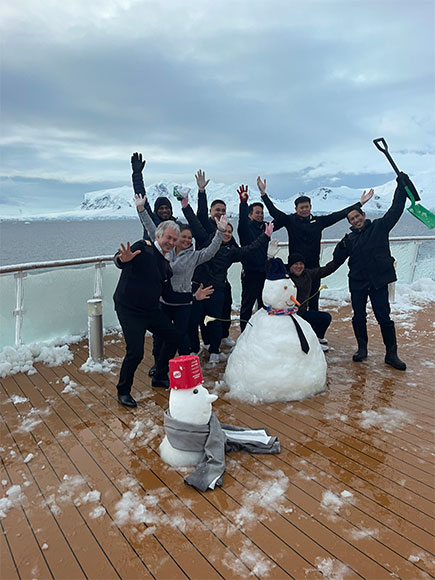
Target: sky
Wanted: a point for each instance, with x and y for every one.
(292, 90)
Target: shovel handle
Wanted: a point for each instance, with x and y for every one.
(381, 144)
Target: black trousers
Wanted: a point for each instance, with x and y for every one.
(213, 306)
(318, 320)
(380, 305)
(252, 289)
(180, 316)
(134, 327)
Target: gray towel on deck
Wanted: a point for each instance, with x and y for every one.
(215, 439)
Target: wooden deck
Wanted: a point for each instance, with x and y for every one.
(350, 495)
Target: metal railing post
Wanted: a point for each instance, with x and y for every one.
(414, 261)
(19, 308)
(98, 283)
(95, 329)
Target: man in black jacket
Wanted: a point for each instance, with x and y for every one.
(371, 269)
(144, 278)
(305, 230)
(250, 227)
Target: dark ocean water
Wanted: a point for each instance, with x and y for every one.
(38, 241)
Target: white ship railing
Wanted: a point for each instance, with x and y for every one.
(54, 304)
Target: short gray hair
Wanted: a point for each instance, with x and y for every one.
(166, 225)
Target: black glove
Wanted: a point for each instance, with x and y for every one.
(404, 181)
(136, 163)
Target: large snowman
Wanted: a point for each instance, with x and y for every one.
(278, 356)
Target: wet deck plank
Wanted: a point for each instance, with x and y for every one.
(271, 519)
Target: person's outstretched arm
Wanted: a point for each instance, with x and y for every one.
(336, 216)
(243, 224)
(137, 165)
(125, 255)
(278, 215)
(145, 217)
(239, 254)
(198, 231)
(202, 211)
(390, 219)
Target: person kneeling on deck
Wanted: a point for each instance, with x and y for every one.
(371, 270)
(303, 278)
(145, 276)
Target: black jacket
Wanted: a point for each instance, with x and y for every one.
(143, 280)
(249, 230)
(214, 271)
(305, 234)
(304, 282)
(368, 249)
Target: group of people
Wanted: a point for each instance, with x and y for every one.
(177, 274)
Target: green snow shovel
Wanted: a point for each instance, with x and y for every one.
(416, 209)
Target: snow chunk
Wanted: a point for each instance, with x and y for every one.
(331, 502)
(331, 568)
(104, 366)
(97, 512)
(29, 457)
(17, 399)
(14, 498)
(132, 508)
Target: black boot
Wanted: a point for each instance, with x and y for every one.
(361, 353)
(391, 358)
(360, 331)
(152, 370)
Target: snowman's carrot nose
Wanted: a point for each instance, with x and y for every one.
(293, 299)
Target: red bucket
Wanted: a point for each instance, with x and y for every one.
(185, 372)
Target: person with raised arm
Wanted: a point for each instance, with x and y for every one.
(214, 273)
(251, 225)
(162, 205)
(183, 259)
(371, 269)
(144, 279)
(305, 230)
(217, 208)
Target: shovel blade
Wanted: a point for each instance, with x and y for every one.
(422, 214)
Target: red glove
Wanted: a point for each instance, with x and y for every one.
(243, 193)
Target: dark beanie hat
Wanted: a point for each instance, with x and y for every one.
(276, 270)
(162, 201)
(295, 258)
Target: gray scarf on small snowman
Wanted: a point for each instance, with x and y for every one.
(215, 439)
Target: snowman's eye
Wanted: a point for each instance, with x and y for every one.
(285, 287)
(195, 391)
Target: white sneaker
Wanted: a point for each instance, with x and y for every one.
(228, 341)
(214, 358)
(323, 340)
(324, 347)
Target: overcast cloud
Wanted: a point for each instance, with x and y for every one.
(292, 90)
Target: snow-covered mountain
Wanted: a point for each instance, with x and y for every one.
(118, 202)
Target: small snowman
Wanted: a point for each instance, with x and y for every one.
(278, 356)
(189, 403)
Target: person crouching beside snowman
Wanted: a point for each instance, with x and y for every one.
(194, 436)
(278, 356)
(303, 279)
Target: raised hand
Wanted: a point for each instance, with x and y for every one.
(140, 202)
(261, 185)
(367, 196)
(201, 181)
(204, 293)
(136, 163)
(268, 228)
(221, 223)
(185, 201)
(243, 193)
(125, 254)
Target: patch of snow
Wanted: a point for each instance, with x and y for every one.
(14, 498)
(29, 457)
(105, 366)
(133, 508)
(20, 359)
(331, 502)
(97, 512)
(363, 533)
(331, 568)
(386, 418)
(17, 399)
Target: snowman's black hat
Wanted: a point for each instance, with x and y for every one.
(277, 270)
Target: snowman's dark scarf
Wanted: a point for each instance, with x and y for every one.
(289, 312)
(211, 440)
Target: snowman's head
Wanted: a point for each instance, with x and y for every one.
(277, 293)
(191, 405)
